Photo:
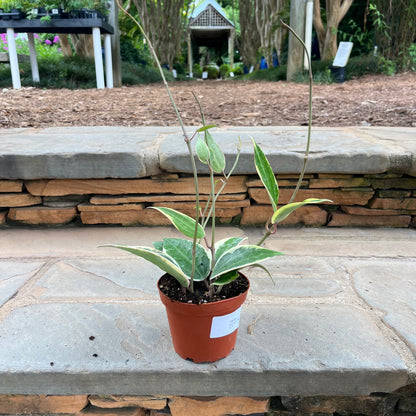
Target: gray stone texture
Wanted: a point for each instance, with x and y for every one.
(13, 276)
(389, 286)
(79, 319)
(79, 153)
(134, 152)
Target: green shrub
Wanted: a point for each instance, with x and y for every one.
(273, 74)
(237, 71)
(76, 73)
(360, 65)
(213, 71)
(68, 72)
(409, 58)
(136, 74)
(197, 71)
(132, 54)
(224, 70)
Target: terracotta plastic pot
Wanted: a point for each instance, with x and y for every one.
(207, 332)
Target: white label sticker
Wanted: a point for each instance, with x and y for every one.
(226, 324)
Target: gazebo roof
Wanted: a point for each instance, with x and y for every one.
(209, 14)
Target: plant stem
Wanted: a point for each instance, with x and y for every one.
(271, 228)
(186, 137)
(211, 174)
(305, 159)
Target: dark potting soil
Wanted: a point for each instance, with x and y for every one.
(173, 290)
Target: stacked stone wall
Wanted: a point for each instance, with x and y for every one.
(382, 200)
(402, 403)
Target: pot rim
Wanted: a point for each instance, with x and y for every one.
(167, 300)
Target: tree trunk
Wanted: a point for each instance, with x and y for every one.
(65, 45)
(250, 37)
(268, 13)
(327, 33)
(164, 23)
(83, 45)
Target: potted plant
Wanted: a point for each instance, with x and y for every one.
(11, 9)
(203, 288)
(85, 9)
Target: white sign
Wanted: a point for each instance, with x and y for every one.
(174, 73)
(226, 324)
(205, 75)
(343, 53)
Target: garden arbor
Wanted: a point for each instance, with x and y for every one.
(208, 26)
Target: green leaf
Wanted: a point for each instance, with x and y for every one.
(266, 174)
(226, 278)
(181, 251)
(202, 150)
(159, 259)
(205, 128)
(184, 223)
(265, 269)
(216, 158)
(226, 244)
(241, 256)
(286, 210)
(158, 245)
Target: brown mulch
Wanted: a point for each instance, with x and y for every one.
(371, 100)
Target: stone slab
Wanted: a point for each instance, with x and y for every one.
(403, 138)
(79, 152)
(121, 279)
(19, 243)
(134, 152)
(389, 286)
(90, 321)
(13, 276)
(334, 150)
(126, 349)
(310, 278)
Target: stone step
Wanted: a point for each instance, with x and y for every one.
(77, 319)
(135, 152)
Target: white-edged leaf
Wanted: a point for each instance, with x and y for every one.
(265, 172)
(226, 244)
(241, 256)
(202, 150)
(182, 222)
(284, 211)
(158, 258)
(181, 251)
(216, 156)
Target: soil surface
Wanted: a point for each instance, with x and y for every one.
(371, 100)
(174, 291)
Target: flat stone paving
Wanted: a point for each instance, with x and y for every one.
(77, 319)
(135, 152)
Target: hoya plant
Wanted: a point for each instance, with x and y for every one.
(198, 257)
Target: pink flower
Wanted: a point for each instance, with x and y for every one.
(48, 42)
(56, 39)
(36, 36)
